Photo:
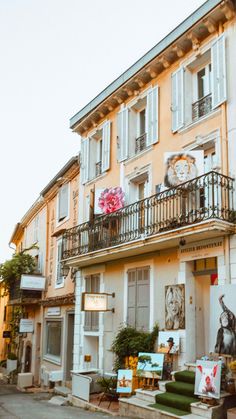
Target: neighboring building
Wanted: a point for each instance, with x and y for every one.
(25, 298)
(4, 327)
(61, 199)
(47, 351)
(179, 97)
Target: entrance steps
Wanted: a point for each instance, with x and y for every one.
(174, 399)
(62, 391)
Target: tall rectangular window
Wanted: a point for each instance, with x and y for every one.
(63, 202)
(92, 284)
(59, 278)
(53, 339)
(138, 313)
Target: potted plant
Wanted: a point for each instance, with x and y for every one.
(11, 362)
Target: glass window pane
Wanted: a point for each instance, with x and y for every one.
(54, 338)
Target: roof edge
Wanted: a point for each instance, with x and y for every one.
(145, 59)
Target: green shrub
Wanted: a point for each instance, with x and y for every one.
(129, 342)
(12, 356)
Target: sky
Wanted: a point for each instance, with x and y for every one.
(55, 56)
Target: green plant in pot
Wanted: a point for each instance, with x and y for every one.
(129, 342)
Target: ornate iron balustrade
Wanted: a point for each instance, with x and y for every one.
(140, 143)
(206, 197)
(98, 168)
(202, 107)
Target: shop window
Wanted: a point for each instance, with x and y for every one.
(53, 339)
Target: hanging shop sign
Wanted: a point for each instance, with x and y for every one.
(95, 301)
(32, 282)
(202, 249)
(26, 326)
(6, 334)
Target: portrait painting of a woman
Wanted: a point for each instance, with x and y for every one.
(175, 307)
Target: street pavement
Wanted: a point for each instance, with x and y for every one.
(18, 405)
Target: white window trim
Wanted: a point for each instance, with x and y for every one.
(213, 136)
(59, 223)
(57, 360)
(133, 265)
(57, 286)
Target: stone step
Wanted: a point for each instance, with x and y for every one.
(205, 411)
(162, 385)
(62, 390)
(134, 407)
(59, 401)
(147, 395)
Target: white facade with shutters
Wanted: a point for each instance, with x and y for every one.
(189, 106)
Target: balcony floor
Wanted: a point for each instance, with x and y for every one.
(164, 240)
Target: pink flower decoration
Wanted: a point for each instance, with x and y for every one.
(111, 199)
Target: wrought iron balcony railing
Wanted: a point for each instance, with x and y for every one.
(140, 143)
(206, 197)
(202, 107)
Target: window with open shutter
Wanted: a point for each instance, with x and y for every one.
(59, 277)
(177, 105)
(218, 63)
(138, 310)
(152, 116)
(84, 160)
(106, 139)
(63, 202)
(123, 130)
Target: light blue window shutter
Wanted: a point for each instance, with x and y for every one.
(63, 202)
(106, 145)
(152, 116)
(123, 134)
(218, 62)
(143, 299)
(131, 309)
(85, 159)
(177, 105)
(59, 278)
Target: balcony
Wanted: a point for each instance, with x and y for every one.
(19, 296)
(198, 202)
(140, 143)
(202, 107)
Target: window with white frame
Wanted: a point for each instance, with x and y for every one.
(63, 203)
(200, 86)
(137, 125)
(91, 321)
(36, 228)
(59, 278)
(53, 339)
(138, 310)
(95, 153)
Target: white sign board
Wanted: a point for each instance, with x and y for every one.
(54, 311)
(202, 249)
(94, 302)
(97, 209)
(26, 326)
(32, 282)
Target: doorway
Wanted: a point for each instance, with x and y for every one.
(28, 356)
(69, 343)
(205, 273)
(37, 353)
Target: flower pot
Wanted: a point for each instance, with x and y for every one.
(11, 365)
